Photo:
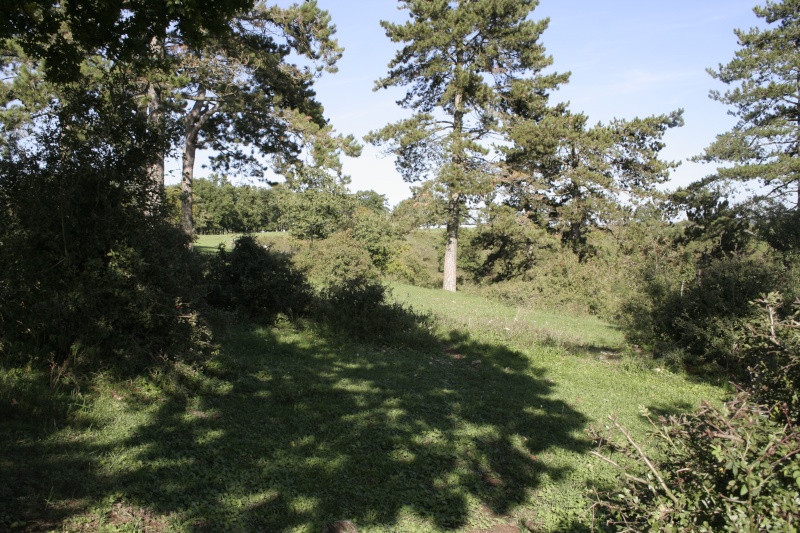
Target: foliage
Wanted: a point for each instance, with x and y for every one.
(340, 258)
(568, 178)
(735, 468)
(762, 147)
(246, 91)
(375, 232)
(317, 213)
(425, 208)
(696, 280)
(417, 260)
(91, 274)
(771, 352)
(506, 245)
(362, 308)
(64, 33)
(373, 201)
(512, 259)
(257, 281)
(471, 62)
(223, 207)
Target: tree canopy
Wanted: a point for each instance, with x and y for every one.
(765, 96)
(63, 33)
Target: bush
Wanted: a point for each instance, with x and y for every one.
(771, 353)
(339, 258)
(361, 308)
(257, 281)
(700, 310)
(731, 469)
(92, 275)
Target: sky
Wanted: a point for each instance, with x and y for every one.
(627, 58)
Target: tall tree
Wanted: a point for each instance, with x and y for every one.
(242, 90)
(764, 146)
(464, 62)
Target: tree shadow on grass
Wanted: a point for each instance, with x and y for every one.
(294, 434)
(288, 431)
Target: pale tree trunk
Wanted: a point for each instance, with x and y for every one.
(187, 183)
(450, 267)
(451, 246)
(201, 111)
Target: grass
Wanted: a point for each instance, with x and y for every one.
(208, 244)
(286, 429)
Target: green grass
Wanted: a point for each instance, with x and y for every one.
(209, 243)
(286, 429)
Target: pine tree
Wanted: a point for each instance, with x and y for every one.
(567, 177)
(765, 96)
(465, 63)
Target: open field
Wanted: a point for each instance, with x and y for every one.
(286, 429)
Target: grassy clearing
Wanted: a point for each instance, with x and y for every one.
(286, 429)
(208, 244)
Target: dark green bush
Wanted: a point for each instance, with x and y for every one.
(731, 469)
(257, 281)
(698, 310)
(362, 309)
(91, 274)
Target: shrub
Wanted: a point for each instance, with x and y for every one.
(256, 280)
(731, 469)
(92, 275)
(338, 258)
(362, 309)
(700, 310)
(770, 351)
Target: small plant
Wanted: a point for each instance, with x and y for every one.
(736, 468)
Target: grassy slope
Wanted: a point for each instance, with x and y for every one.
(285, 430)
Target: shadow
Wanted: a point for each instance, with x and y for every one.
(671, 409)
(289, 431)
(43, 481)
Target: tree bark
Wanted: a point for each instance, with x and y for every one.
(450, 267)
(201, 111)
(187, 183)
(451, 246)
(155, 121)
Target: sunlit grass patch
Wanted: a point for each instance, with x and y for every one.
(286, 429)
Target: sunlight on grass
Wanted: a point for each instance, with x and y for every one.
(285, 430)
(507, 324)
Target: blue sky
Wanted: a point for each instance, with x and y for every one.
(628, 58)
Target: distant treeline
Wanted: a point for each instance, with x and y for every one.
(224, 207)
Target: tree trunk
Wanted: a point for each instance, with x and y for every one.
(187, 182)
(155, 122)
(450, 267)
(451, 247)
(201, 111)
